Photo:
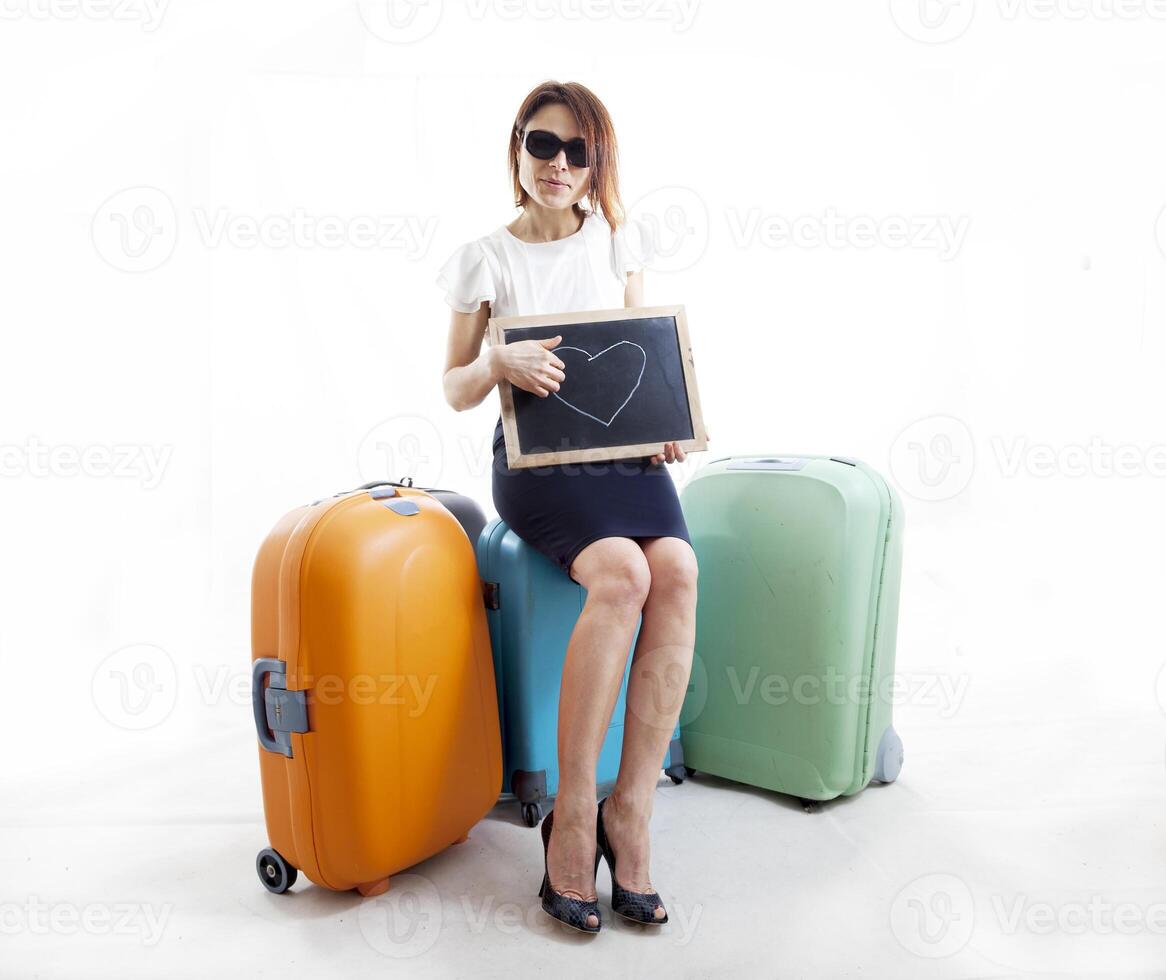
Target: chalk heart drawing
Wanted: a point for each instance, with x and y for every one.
(591, 379)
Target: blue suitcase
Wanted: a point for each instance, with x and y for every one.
(531, 609)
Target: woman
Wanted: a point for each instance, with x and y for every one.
(616, 528)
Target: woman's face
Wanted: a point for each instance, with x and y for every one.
(553, 183)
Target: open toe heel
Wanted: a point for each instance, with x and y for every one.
(637, 906)
(572, 911)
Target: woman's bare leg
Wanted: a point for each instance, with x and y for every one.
(659, 678)
(614, 571)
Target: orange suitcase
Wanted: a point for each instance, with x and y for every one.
(372, 687)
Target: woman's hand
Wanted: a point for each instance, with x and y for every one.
(673, 453)
(530, 365)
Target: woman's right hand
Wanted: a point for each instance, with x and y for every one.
(531, 366)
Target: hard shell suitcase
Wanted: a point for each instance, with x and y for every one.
(795, 627)
(372, 686)
(532, 608)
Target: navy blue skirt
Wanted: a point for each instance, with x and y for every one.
(561, 509)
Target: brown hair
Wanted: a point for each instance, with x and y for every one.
(595, 124)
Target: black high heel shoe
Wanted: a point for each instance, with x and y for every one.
(572, 911)
(637, 906)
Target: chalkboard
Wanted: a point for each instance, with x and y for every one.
(629, 387)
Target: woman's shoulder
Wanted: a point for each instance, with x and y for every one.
(633, 245)
(471, 273)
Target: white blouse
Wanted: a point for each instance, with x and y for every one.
(586, 270)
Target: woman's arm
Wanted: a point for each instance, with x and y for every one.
(470, 372)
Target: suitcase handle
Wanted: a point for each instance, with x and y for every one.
(407, 482)
(260, 670)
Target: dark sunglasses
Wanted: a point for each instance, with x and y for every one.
(543, 145)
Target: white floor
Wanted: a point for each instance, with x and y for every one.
(1003, 850)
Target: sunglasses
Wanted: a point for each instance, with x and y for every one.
(545, 146)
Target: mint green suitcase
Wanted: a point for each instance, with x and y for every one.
(791, 687)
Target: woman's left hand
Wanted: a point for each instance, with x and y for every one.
(672, 454)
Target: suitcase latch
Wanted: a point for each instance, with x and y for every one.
(490, 595)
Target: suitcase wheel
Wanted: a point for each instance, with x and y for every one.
(677, 773)
(532, 813)
(274, 871)
(889, 757)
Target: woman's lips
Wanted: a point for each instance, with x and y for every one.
(552, 185)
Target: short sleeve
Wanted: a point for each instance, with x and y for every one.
(466, 278)
(634, 246)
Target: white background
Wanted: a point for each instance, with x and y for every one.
(178, 375)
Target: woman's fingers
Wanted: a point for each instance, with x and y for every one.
(672, 453)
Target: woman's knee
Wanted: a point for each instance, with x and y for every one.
(673, 568)
(614, 570)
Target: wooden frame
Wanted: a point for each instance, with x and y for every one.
(496, 334)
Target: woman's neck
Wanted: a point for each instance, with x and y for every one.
(539, 224)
